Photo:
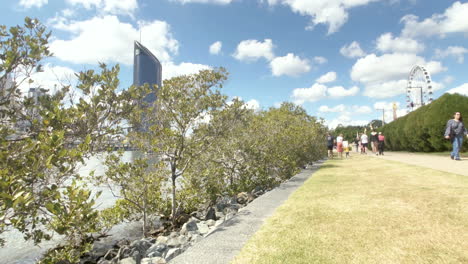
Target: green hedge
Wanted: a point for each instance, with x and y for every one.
(423, 129)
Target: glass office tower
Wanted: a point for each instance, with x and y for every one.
(146, 69)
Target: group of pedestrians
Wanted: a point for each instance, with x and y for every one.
(455, 131)
(361, 143)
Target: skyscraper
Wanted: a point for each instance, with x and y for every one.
(146, 69)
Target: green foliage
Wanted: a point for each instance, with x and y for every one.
(138, 184)
(423, 129)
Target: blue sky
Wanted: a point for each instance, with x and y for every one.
(339, 59)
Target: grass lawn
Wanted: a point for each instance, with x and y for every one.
(367, 210)
(444, 154)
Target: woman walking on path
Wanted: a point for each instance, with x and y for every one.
(339, 145)
(381, 143)
(374, 141)
(454, 131)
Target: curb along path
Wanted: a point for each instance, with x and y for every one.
(435, 162)
(227, 240)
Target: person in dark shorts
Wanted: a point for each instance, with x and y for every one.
(330, 143)
(364, 142)
(374, 141)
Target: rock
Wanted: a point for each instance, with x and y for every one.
(103, 261)
(174, 234)
(210, 214)
(196, 238)
(127, 261)
(112, 253)
(162, 240)
(210, 222)
(140, 245)
(231, 210)
(156, 250)
(219, 215)
(173, 242)
(220, 221)
(228, 216)
(136, 255)
(242, 198)
(172, 253)
(189, 226)
(182, 218)
(124, 252)
(155, 260)
(202, 228)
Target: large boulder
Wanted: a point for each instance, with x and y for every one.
(210, 214)
(189, 226)
(203, 228)
(162, 240)
(156, 250)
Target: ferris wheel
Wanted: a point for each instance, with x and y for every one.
(419, 88)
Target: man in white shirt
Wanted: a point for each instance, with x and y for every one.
(364, 142)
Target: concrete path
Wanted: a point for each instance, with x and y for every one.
(223, 244)
(442, 163)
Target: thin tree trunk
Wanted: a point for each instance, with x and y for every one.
(174, 176)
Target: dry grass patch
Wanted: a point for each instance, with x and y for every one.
(368, 210)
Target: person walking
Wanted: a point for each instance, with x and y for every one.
(454, 131)
(381, 143)
(339, 145)
(356, 143)
(374, 141)
(364, 142)
(330, 143)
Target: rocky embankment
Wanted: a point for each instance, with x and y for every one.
(166, 245)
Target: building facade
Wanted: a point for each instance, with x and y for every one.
(146, 69)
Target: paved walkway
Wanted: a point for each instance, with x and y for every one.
(227, 240)
(442, 163)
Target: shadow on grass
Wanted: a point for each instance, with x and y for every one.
(328, 166)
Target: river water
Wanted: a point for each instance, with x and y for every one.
(19, 251)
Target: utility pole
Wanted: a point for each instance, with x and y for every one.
(383, 115)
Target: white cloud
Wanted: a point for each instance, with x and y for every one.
(361, 109)
(31, 3)
(462, 89)
(326, 109)
(339, 91)
(319, 91)
(453, 20)
(387, 43)
(326, 78)
(320, 60)
(353, 50)
(312, 94)
(51, 78)
(215, 48)
(454, 51)
(386, 75)
(333, 13)
(125, 7)
(185, 68)
(253, 104)
(106, 39)
(252, 50)
(219, 2)
(290, 65)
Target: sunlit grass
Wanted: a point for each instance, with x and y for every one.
(367, 210)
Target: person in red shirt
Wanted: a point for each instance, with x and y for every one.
(381, 143)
